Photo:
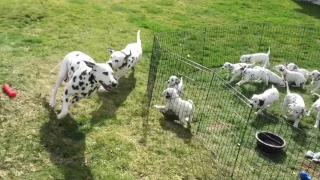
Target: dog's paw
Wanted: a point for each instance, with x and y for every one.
(61, 115)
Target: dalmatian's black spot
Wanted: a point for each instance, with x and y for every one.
(75, 87)
(115, 70)
(72, 68)
(105, 73)
(74, 79)
(81, 83)
(92, 80)
(84, 94)
(77, 54)
(129, 66)
(86, 84)
(110, 64)
(83, 88)
(66, 99)
(261, 102)
(80, 77)
(84, 73)
(116, 60)
(66, 92)
(78, 62)
(123, 65)
(91, 85)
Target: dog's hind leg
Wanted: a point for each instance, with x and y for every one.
(65, 105)
(62, 76)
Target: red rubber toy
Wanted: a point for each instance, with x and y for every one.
(9, 91)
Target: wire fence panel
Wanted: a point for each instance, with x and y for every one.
(225, 124)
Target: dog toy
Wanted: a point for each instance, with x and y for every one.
(9, 91)
(315, 156)
(304, 175)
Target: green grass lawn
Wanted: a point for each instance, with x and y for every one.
(104, 137)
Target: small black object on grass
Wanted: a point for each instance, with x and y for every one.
(269, 142)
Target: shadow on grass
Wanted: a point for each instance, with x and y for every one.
(277, 157)
(111, 101)
(308, 8)
(261, 120)
(299, 135)
(167, 123)
(66, 145)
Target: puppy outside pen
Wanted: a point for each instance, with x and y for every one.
(224, 121)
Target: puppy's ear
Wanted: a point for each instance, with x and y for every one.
(110, 49)
(295, 67)
(90, 64)
(127, 56)
(242, 68)
(261, 102)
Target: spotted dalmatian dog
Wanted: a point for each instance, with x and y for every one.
(315, 76)
(294, 67)
(229, 66)
(83, 77)
(126, 59)
(265, 100)
(291, 76)
(296, 106)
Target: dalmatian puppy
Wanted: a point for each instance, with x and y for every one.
(125, 59)
(257, 73)
(176, 83)
(315, 76)
(291, 76)
(182, 108)
(315, 105)
(274, 78)
(229, 66)
(294, 67)
(256, 58)
(83, 76)
(265, 100)
(297, 108)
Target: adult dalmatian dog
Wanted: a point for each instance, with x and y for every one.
(83, 76)
(125, 59)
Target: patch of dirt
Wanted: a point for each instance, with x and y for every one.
(312, 168)
(219, 126)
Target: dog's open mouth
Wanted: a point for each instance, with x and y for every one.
(106, 87)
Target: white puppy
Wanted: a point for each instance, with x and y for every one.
(316, 105)
(127, 58)
(231, 67)
(183, 109)
(294, 67)
(315, 76)
(176, 83)
(297, 108)
(266, 99)
(291, 76)
(253, 74)
(83, 77)
(256, 58)
(274, 78)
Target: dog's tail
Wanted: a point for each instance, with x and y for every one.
(315, 94)
(288, 90)
(266, 63)
(138, 38)
(193, 109)
(268, 53)
(55, 67)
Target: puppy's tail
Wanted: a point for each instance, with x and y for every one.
(268, 51)
(55, 67)
(288, 90)
(193, 109)
(138, 38)
(315, 94)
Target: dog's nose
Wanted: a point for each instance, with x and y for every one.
(114, 84)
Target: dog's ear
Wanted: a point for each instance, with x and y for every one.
(90, 64)
(242, 68)
(110, 49)
(127, 56)
(295, 67)
(261, 102)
